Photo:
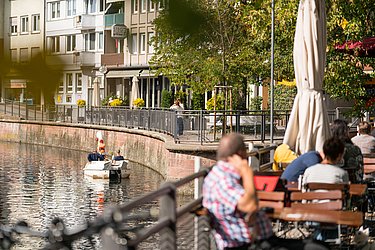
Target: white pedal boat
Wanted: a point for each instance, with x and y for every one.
(107, 169)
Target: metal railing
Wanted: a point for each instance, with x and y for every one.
(122, 227)
(199, 126)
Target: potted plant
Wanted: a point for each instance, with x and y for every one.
(81, 103)
(139, 102)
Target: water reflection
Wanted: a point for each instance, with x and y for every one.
(41, 183)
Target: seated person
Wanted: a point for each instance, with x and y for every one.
(364, 140)
(327, 171)
(299, 165)
(229, 195)
(283, 154)
(95, 156)
(102, 155)
(118, 156)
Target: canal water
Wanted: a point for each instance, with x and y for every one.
(41, 183)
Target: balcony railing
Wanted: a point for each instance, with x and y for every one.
(111, 19)
(84, 22)
(113, 59)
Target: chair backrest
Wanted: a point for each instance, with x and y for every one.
(274, 199)
(328, 200)
(368, 164)
(312, 186)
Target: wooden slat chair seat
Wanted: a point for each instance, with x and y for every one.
(344, 188)
(368, 165)
(274, 199)
(330, 200)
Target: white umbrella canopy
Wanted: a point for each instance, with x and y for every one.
(135, 90)
(96, 93)
(308, 126)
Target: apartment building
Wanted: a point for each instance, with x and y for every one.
(125, 59)
(21, 38)
(75, 42)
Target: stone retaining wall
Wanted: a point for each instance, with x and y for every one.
(154, 150)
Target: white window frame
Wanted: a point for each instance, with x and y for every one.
(134, 44)
(151, 6)
(69, 82)
(71, 7)
(101, 40)
(91, 6)
(70, 43)
(151, 49)
(143, 6)
(142, 43)
(54, 10)
(161, 4)
(90, 45)
(135, 6)
(55, 44)
(35, 23)
(24, 20)
(78, 80)
(13, 25)
(61, 87)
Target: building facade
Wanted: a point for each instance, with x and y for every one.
(23, 38)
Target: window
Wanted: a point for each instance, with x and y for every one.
(135, 6)
(71, 7)
(151, 5)
(142, 43)
(134, 44)
(70, 43)
(150, 45)
(69, 83)
(102, 5)
(90, 6)
(24, 55)
(161, 4)
(79, 82)
(35, 23)
(61, 87)
(90, 41)
(54, 8)
(24, 24)
(13, 55)
(35, 51)
(55, 44)
(13, 25)
(143, 6)
(101, 41)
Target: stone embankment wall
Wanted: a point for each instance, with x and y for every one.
(154, 150)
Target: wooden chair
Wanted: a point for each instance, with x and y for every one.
(344, 188)
(275, 200)
(333, 199)
(330, 200)
(369, 164)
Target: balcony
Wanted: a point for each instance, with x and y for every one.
(113, 59)
(111, 19)
(87, 58)
(84, 22)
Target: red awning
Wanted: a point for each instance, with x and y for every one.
(361, 48)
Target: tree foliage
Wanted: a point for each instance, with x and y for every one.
(229, 43)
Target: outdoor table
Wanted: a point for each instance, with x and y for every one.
(349, 218)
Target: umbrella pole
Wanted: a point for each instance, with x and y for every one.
(272, 67)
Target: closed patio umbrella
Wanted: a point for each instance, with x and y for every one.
(308, 126)
(96, 93)
(135, 90)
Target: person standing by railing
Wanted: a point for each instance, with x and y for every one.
(180, 123)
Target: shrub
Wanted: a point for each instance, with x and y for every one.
(81, 103)
(166, 98)
(139, 102)
(197, 101)
(219, 102)
(256, 103)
